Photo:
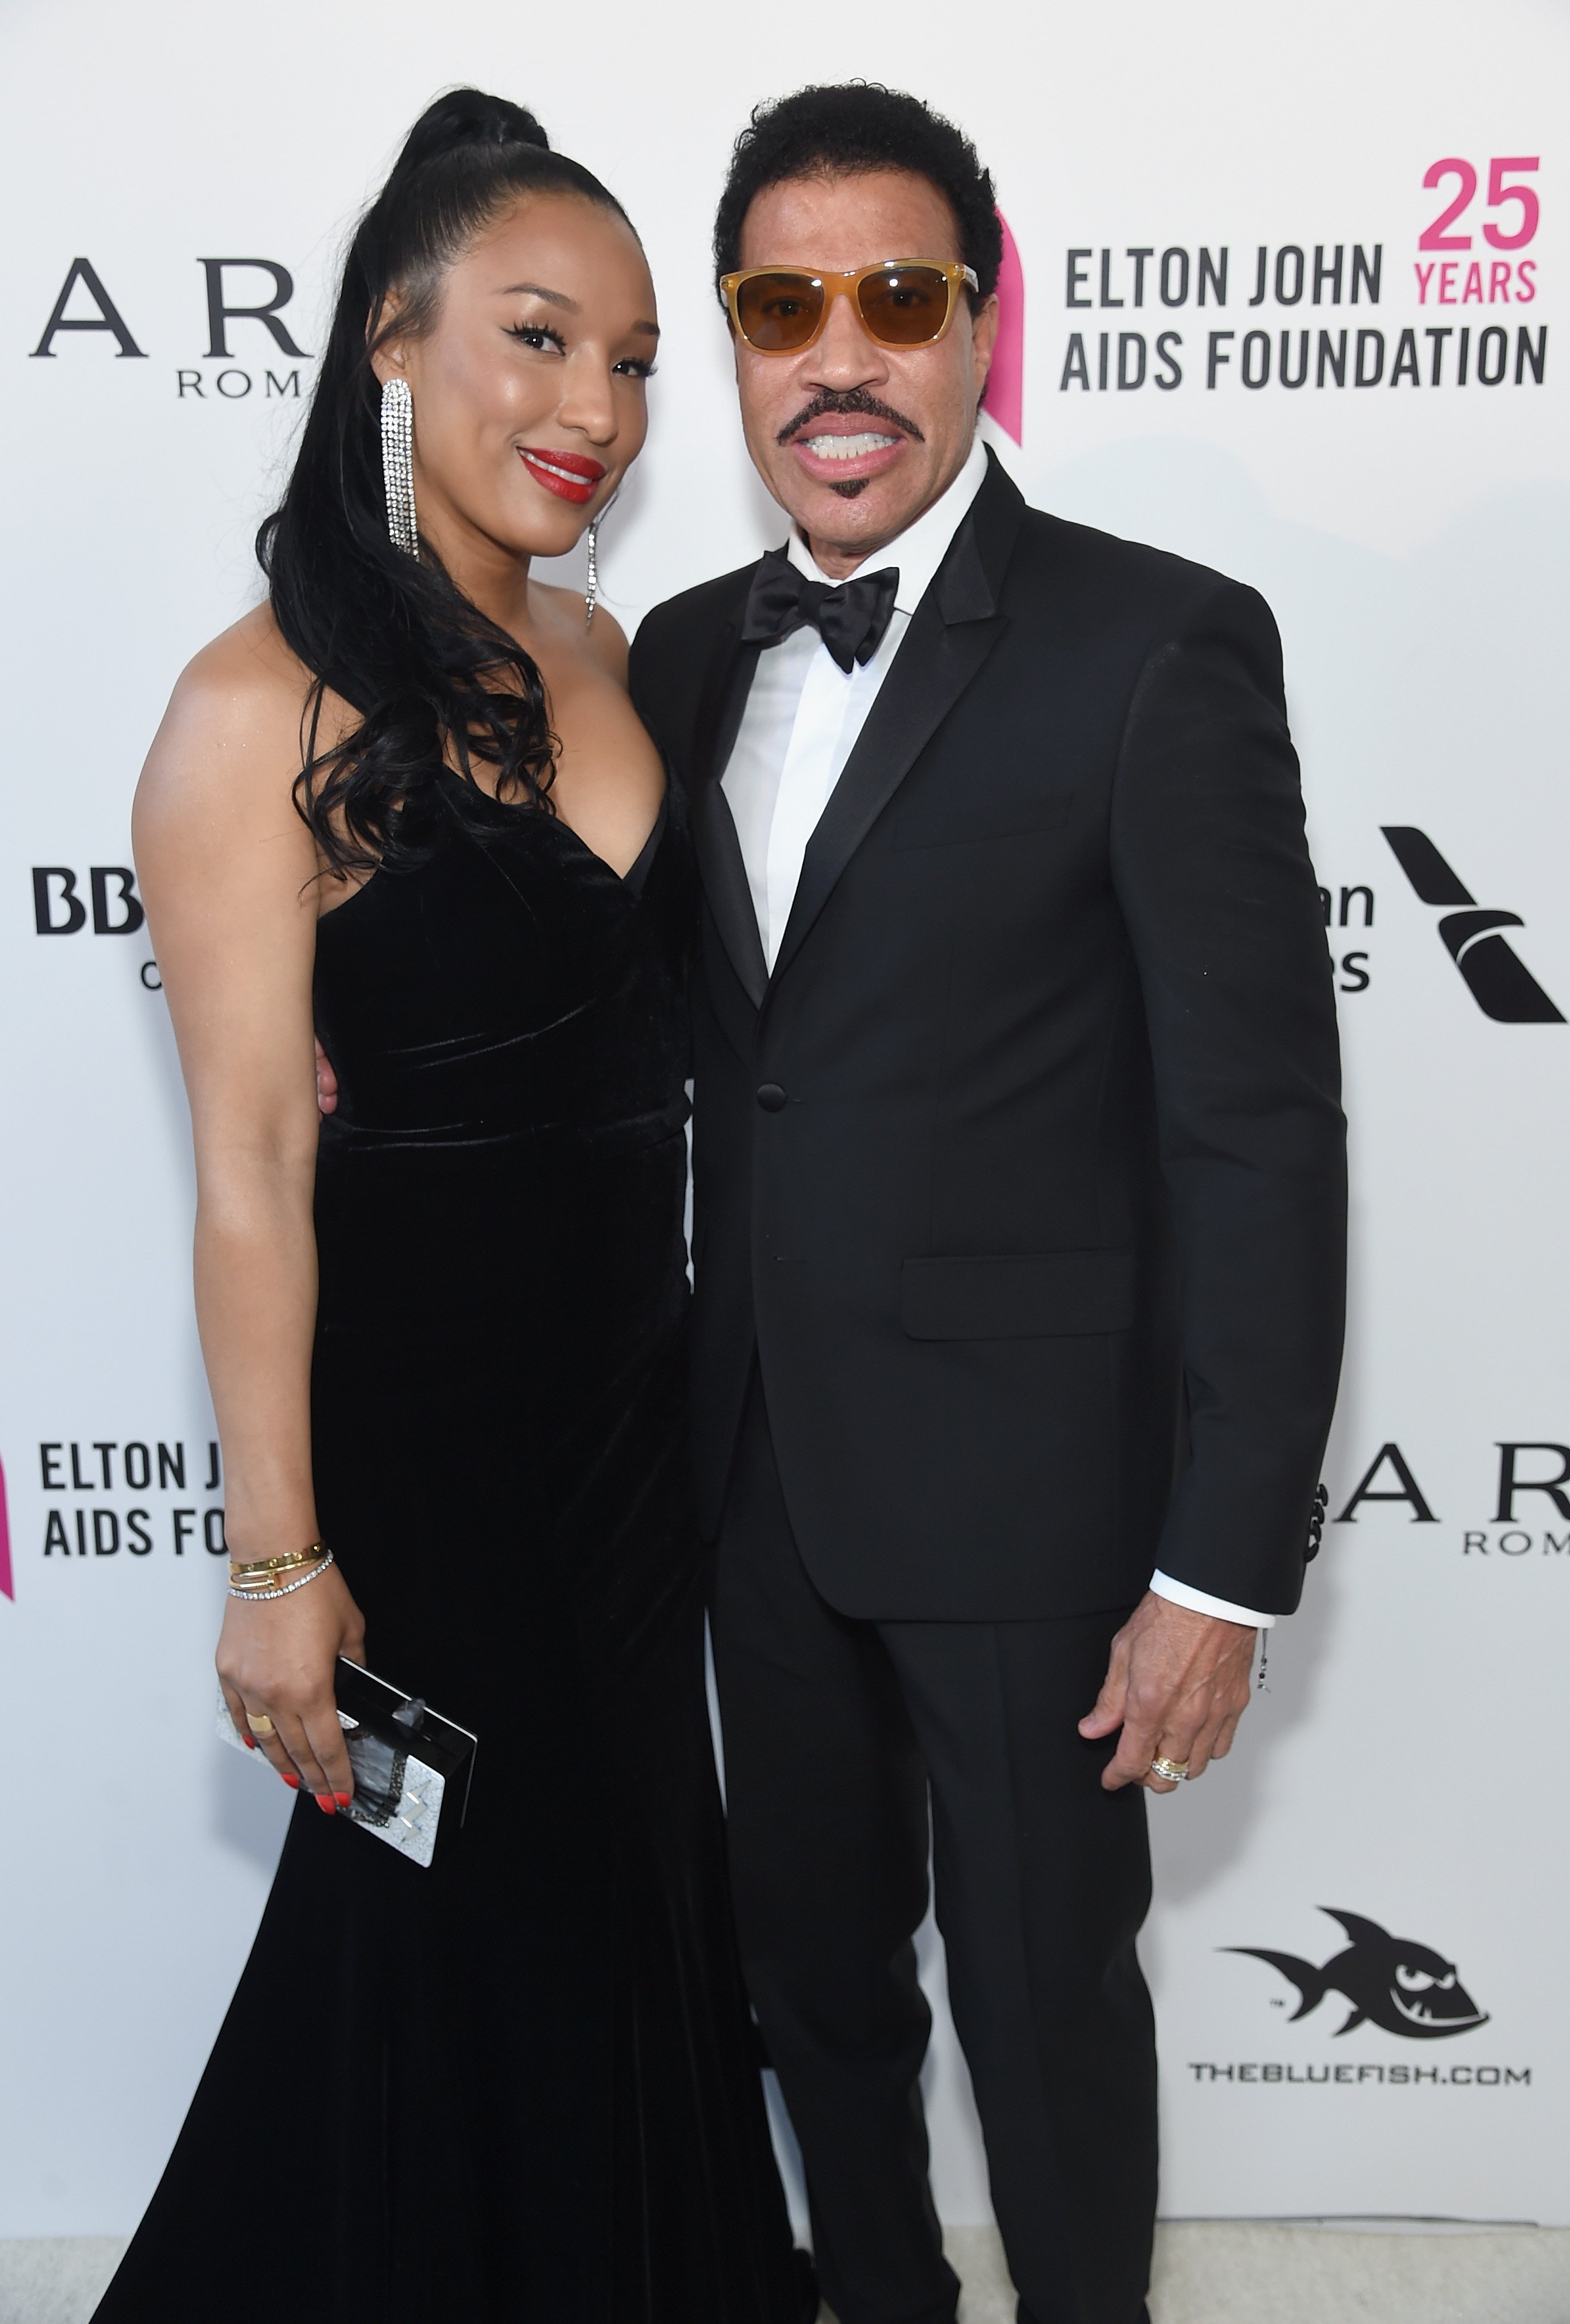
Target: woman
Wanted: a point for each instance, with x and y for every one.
(409, 796)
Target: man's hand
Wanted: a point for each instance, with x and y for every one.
(1176, 1684)
(326, 1084)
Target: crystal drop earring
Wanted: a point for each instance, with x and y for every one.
(591, 594)
(398, 464)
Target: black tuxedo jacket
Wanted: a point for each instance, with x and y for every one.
(1023, 1174)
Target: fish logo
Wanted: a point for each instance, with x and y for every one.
(1391, 1982)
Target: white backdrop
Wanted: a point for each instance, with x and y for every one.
(1404, 1760)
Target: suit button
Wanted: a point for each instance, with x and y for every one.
(771, 1098)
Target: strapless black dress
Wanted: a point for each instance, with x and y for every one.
(519, 2087)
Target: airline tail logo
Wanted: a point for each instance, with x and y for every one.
(1502, 985)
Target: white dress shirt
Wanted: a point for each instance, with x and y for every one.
(802, 718)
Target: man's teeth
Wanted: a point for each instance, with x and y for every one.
(848, 448)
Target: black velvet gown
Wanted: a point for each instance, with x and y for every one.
(519, 2087)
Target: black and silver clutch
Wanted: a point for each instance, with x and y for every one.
(412, 1766)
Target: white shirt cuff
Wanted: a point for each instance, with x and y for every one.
(1200, 1601)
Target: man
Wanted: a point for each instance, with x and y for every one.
(1019, 1216)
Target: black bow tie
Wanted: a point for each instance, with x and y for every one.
(850, 619)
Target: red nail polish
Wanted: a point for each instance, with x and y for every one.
(292, 1781)
(249, 1741)
(343, 1798)
(324, 1803)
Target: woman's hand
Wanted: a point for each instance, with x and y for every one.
(275, 1660)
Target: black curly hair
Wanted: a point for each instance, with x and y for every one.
(855, 125)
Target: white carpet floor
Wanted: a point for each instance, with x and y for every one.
(1208, 2271)
(1217, 2272)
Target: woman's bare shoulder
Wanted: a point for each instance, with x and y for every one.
(608, 643)
(243, 688)
(234, 725)
(603, 637)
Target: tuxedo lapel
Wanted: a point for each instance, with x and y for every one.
(714, 832)
(952, 631)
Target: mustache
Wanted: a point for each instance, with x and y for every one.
(857, 402)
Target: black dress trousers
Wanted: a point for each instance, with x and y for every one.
(840, 1734)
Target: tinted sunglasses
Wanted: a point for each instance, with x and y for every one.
(902, 302)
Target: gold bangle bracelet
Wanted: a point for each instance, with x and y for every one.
(318, 1566)
(285, 1557)
(261, 1570)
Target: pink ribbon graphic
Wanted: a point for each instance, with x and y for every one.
(1005, 396)
(5, 1588)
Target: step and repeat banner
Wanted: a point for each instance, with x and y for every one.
(1287, 296)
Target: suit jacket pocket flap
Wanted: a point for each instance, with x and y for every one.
(1034, 1298)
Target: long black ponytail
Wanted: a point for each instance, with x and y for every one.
(429, 674)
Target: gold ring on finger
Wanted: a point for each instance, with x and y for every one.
(1170, 1771)
(259, 1724)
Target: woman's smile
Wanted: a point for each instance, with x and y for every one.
(570, 475)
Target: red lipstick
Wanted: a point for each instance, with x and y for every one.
(570, 475)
